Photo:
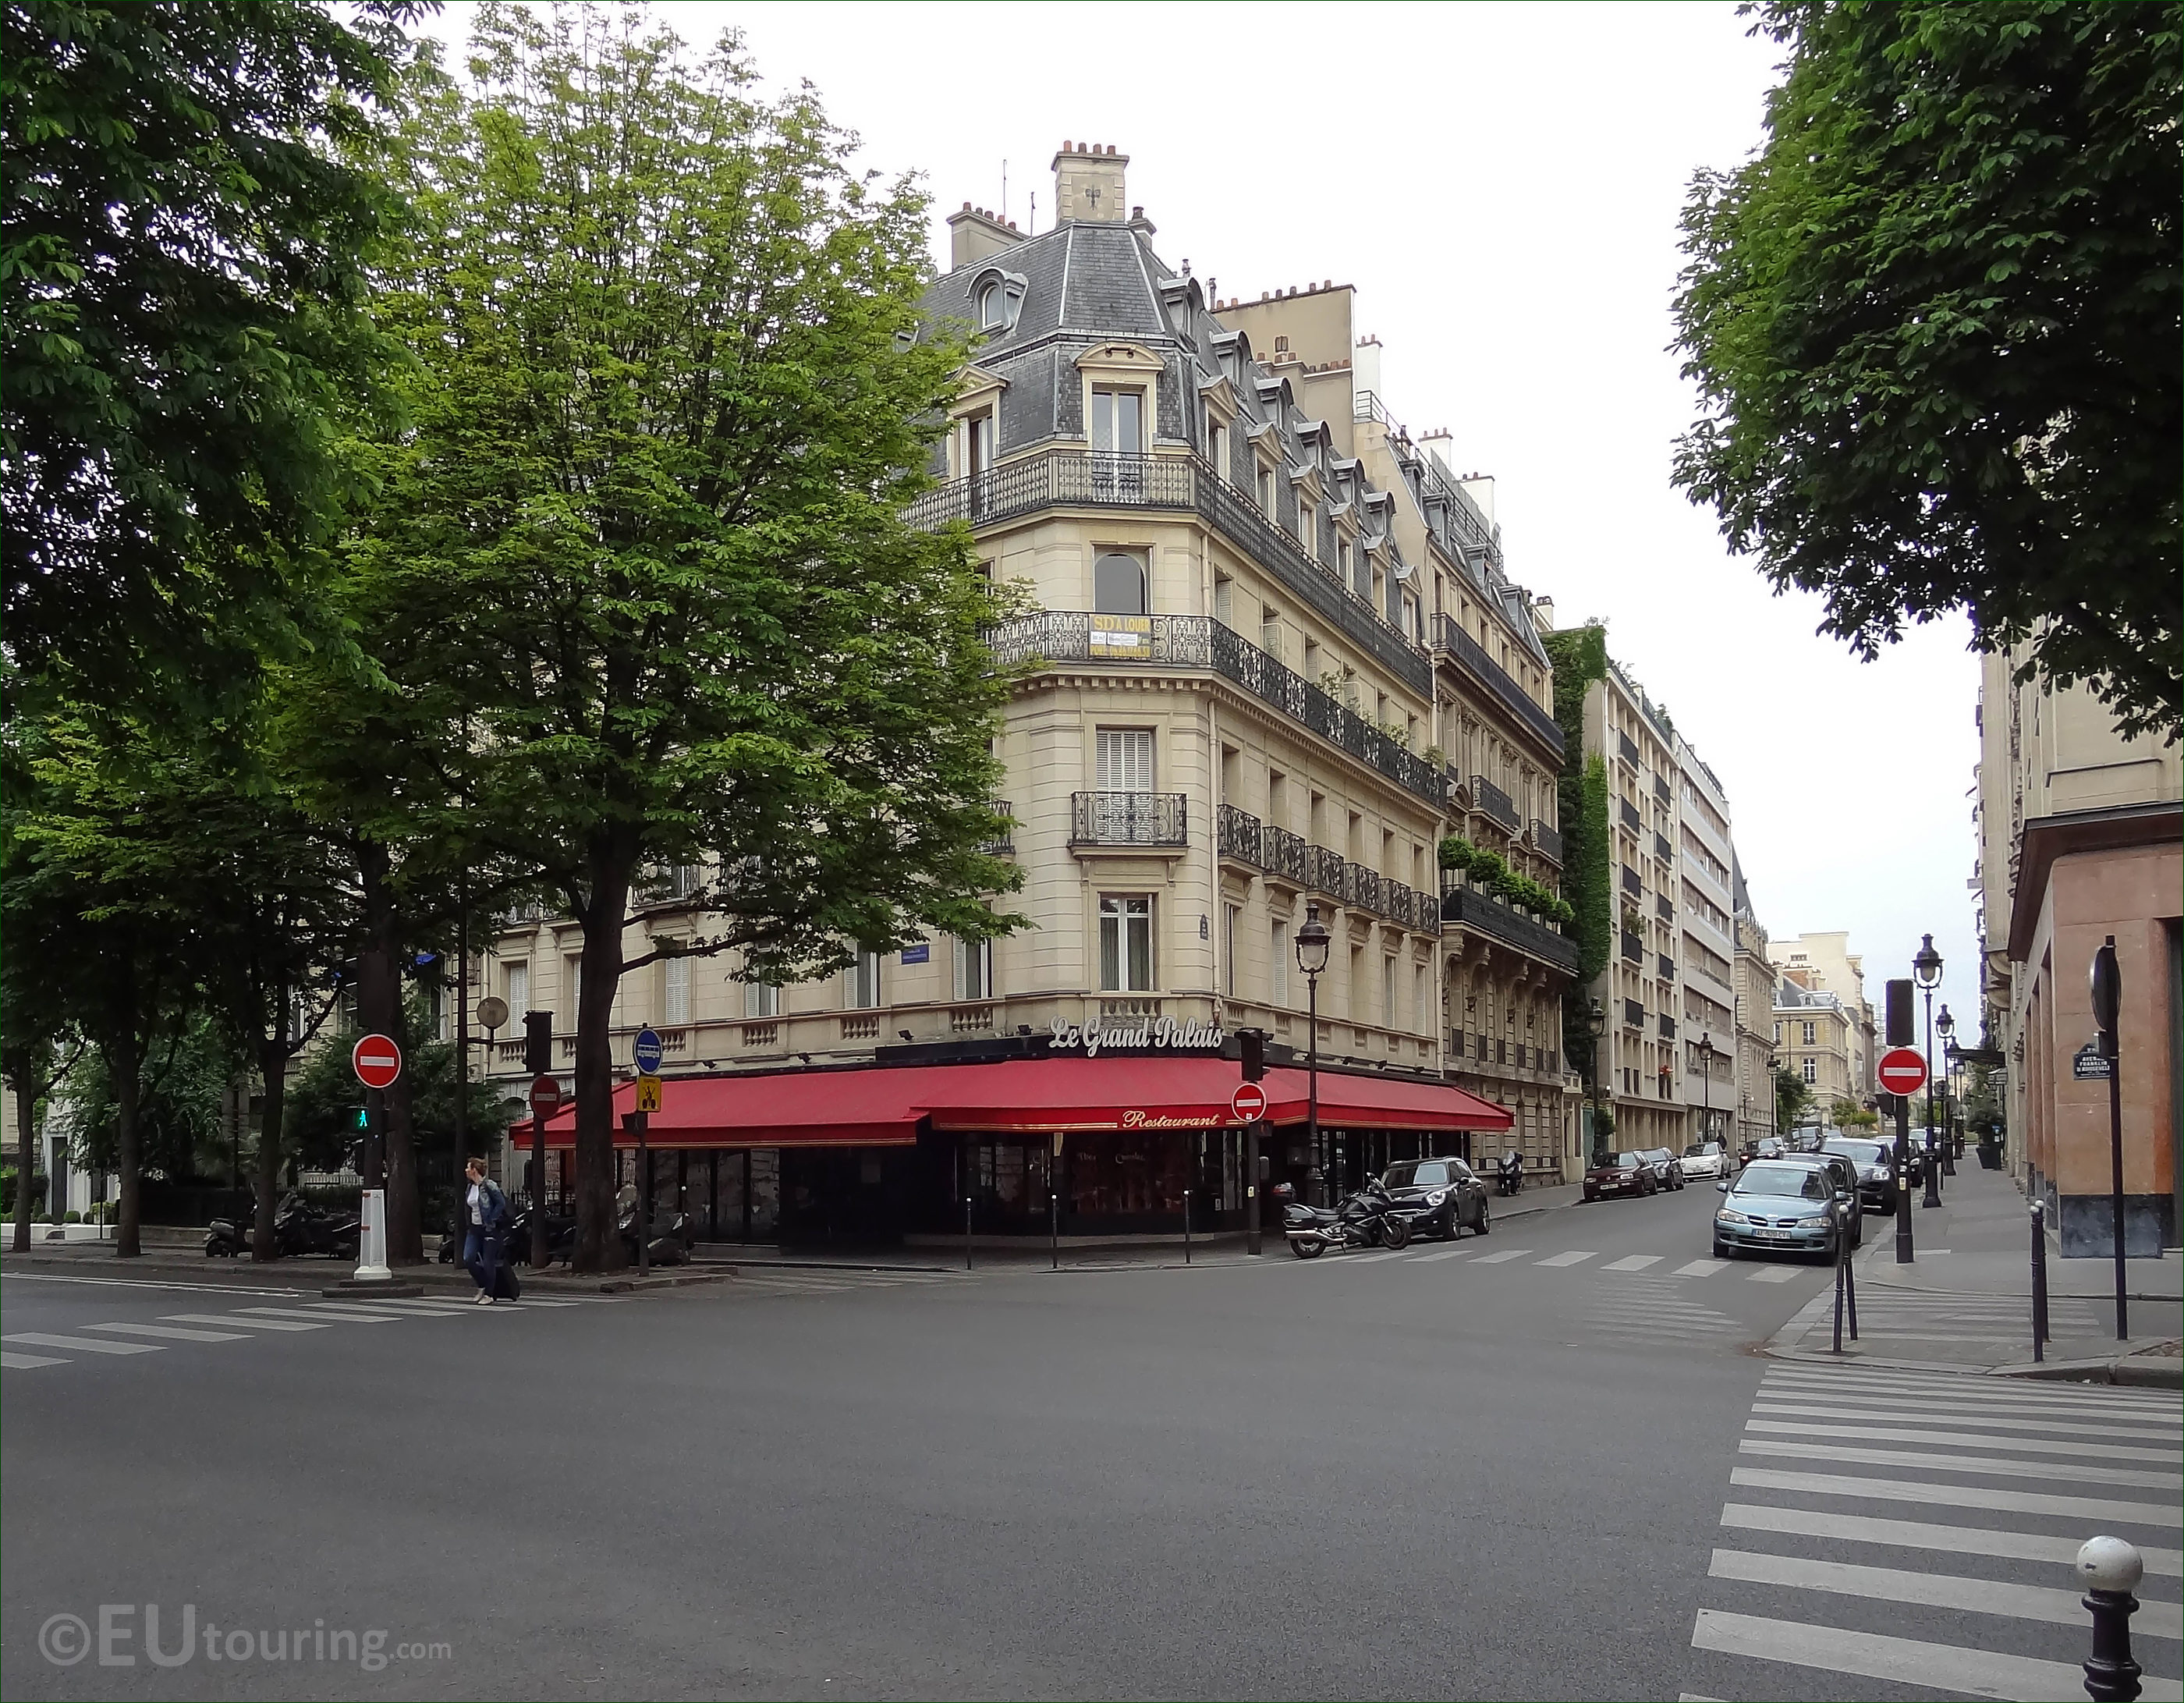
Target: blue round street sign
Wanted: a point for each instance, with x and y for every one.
(648, 1050)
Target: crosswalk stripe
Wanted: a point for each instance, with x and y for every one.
(2132, 1477)
(1573, 1258)
(1961, 1439)
(1702, 1268)
(1930, 1590)
(409, 1309)
(1988, 1418)
(1502, 1256)
(23, 1363)
(1441, 1253)
(2013, 1395)
(176, 1331)
(1632, 1262)
(1775, 1274)
(1978, 1386)
(319, 1315)
(1956, 1496)
(90, 1345)
(1918, 1534)
(235, 1319)
(1902, 1661)
(1375, 1258)
(332, 1310)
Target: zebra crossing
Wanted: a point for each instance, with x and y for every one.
(114, 1339)
(755, 1283)
(1886, 1314)
(1570, 1259)
(1658, 1309)
(1918, 1528)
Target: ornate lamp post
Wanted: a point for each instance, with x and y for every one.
(1595, 1022)
(1706, 1052)
(1945, 1026)
(1313, 943)
(1926, 971)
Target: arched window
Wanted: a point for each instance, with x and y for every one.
(1118, 585)
(993, 305)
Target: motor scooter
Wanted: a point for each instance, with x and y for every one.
(1509, 1179)
(1367, 1219)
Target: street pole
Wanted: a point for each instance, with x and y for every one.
(1311, 1083)
(1252, 1188)
(463, 1041)
(1902, 1180)
(636, 1123)
(2108, 1005)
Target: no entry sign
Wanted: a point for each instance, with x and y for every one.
(1900, 1070)
(545, 1097)
(377, 1062)
(1248, 1102)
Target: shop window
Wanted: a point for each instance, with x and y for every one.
(1125, 942)
(1118, 585)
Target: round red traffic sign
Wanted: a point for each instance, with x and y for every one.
(1248, 1102)
(545, 1097)
(376, 1061)
(1900, 1070)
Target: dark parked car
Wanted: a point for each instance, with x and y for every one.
(1778, 1206)
(1842, 1177)
(1623, 1174)
(1876, 1169)
(1666, 1170)
(1440, 1197)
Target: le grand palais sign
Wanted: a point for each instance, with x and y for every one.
(1145, 1034)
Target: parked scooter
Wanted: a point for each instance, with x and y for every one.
(229, 1237)
(301, 1228)
(1509, 1178)
(1367, 1219)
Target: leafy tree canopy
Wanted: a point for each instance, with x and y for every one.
(1935, 326)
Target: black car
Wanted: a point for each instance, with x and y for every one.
(1440, 1197)
(1875, 1161)
(1666, 1171)
(1843, 1178)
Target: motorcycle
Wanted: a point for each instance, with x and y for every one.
(670, 1245)
(1509, 1179)
(300, 1228)
(228, 1239)
(1367, 1219)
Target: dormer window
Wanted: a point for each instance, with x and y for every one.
(993, 305)
(996, 298)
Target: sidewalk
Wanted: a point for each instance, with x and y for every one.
(310, 1276)
(1965, 1302)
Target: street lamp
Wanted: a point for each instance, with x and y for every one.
(1595, 1022)
(1706, 1050)
(1945, 1026)
(1926, 971)
(1311, 949)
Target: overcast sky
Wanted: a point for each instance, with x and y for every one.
(1501, 183)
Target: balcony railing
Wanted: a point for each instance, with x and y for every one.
(1007, 842)
(1663, 908)
(1128, 818)
(1662, 849)
(1065, 478)
(1323, 871)
(1668, 967)
(1547, 842)
(1634, 1014)
(1668, 1027)
(1626, 748)
(1663, 791)
(1464, 907)
(1634, 949)
(1282, 852)
(1238, 835)
(1361, 888)
(1198, 641)
(1631, 884)
(1449, 638)
(1496, 803)
(1627, 813)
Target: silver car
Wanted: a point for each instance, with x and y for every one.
(1776, 1206)
(1708, 1159)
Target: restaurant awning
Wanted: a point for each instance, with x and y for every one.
(884, 1107)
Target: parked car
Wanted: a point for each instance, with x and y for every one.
(1770, 1147)
(1843, 1178)
(1776, 1206)
(1708, 1159)
(1623, 1174)
(1440, 1197)
(1876, 1170)
(1666, 1171)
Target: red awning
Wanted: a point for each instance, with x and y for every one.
(883, 1108)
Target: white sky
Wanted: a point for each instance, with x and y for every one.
(1501, 182)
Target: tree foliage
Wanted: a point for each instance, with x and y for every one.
(1935, 326)
(1579, 656)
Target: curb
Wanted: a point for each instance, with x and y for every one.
(304, 1277)
(2139, 1370)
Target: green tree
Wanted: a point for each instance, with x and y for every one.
(670, 394)
(183, 248)
(1793, 1098)
(1579, 656)
(1934, 324)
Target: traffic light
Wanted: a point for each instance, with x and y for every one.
(1251, 1049)
(538, 1042)
(1900, 1030)
(363, 1123)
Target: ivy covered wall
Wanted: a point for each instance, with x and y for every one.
(1579, 656)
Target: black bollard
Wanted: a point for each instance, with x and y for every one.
(1054, 1227)
(1186, 1226)
(966, 1233)
(2111, 1569)
(1850, 1296)
(2039, 1282)
(1835, 1213)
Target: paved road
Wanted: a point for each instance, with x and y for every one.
(1494, 1468)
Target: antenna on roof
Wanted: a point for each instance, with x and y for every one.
(1005, 192)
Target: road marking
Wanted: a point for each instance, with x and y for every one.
(1701, 1268)
(1567, 1258)
(1632, 1262)
(1918, 1534)
(23, 1363)
(320, 1316)
(2132, 1477)
(91, 1345)
(1931, 1590)
(1444, 1254)
(1987, 1419)
(1956, 1496)
(1960, 1439)
(176, 1331)
(1974, 1390)
(144, 1283)
(414, 1309)
(360, 1315)
(252, 1323)
(1775, 1274)
(1502, 1257)
(1900, 1660)
(1375, 1258)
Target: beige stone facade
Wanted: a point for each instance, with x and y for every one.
(1756, 982)
(1825, 962)
(1816, 1037)
(2079, 841)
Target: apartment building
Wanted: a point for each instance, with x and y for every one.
(1705, 971)
(1756, 982)
(1230, 718)
(1826, 962)
(2079, 840)
(1814, 1032)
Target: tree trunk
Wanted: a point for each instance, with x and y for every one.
(124, 1067)
(273, 1071)
(379, 1009)
(26, 1082)
(598, 1240)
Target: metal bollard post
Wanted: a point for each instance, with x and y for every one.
(2039, 1281)
(1850, 1295)
(2111, 1569)
(966, 1233)
(1186, 1226)
(1835, 1212)
(1054, 1227)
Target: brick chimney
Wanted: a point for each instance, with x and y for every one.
(1087, 182)
(974, 234)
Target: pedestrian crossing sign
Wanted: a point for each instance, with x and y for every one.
(647, 1093)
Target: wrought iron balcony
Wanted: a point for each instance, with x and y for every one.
(1361, 888)
(1663, 907)
(1668, 1027)
(1627, 813)
(1006, 843)
(1450, 639)
(1668, 967)
(1663, 791)
(1634, 1014)
(1323, 871)
(1463, 906)
(1491, 800)
(1631, 884)
(1662, 849)
(1065, 479)
(1626, 748)
(1128, 818)
(1239, 836)
(1634, 948)
(1198, 641)
(1547, 842)
(1283, 853)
